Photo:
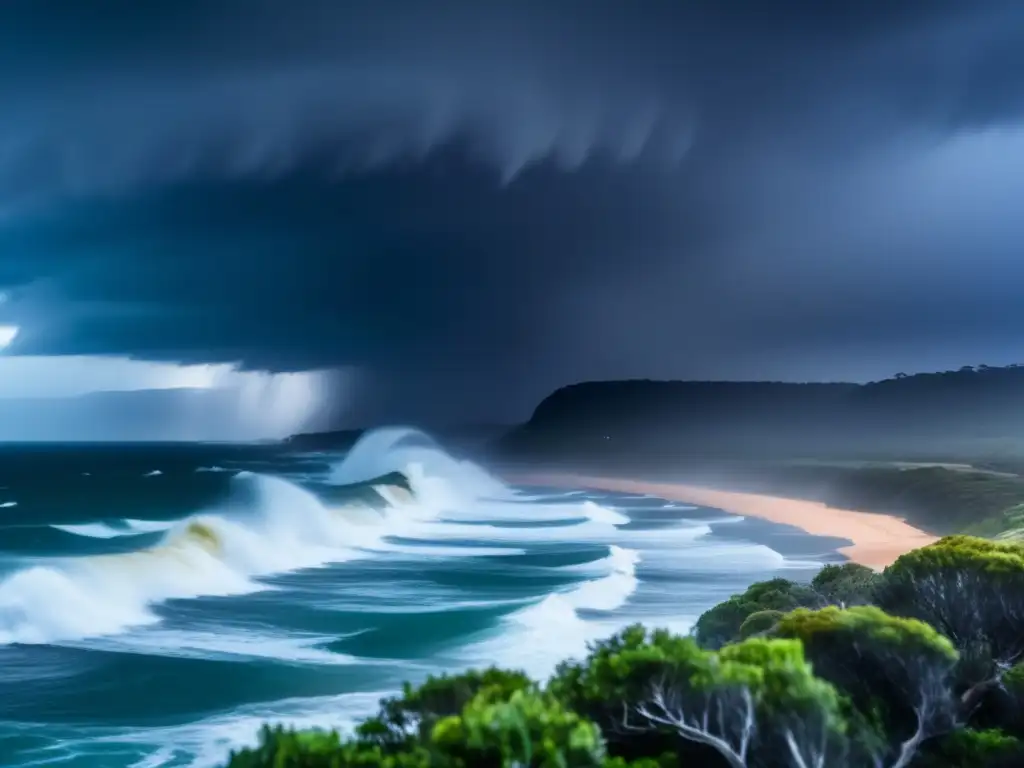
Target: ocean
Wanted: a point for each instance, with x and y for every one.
(158, 603)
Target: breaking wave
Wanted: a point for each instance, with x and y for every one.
(272, 526)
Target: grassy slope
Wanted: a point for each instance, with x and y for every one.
(941, 499)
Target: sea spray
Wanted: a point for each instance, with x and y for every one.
(269, 526)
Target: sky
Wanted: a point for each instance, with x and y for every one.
(439, 212)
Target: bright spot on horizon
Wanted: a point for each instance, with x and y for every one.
(215, 401)
(7, 334)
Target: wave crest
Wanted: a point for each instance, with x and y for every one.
(271, 526)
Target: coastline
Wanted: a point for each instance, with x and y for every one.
(877, 539)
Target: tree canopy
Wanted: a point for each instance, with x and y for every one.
(721, 624)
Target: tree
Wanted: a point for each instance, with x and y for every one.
(846, 585)
(721, 624)
(759, 623)
(755, 703)
(968, 748)
(1004, 707)
(972, 591)
(495, 729)
(410, 718)
(895, 670)
(524, 729)
(619, 672)
(280, 748)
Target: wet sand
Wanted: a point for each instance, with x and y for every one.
(877, 540)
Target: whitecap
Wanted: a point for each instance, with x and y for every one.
(276, 527)
(94, 530)
(106, 531)
(208, 742)
(225, 643)
(536, 638)
(148, 526)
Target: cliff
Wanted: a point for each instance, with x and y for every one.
(971, 411)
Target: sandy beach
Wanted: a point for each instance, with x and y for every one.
(877, 539)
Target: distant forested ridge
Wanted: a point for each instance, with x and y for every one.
(945, 450)
(976, 410)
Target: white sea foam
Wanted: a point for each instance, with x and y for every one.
(537, 637)
(273, 526)
(154, 473)
(8, 504)
(207, 743)
(106, 531)
(400, 449)
(221, 643)
(95, 530)
(148, 526)
(432, 550)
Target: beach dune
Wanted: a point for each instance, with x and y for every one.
(877, 539)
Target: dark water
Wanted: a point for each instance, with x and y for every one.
(157, 603)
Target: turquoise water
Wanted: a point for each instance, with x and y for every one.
(158, 603)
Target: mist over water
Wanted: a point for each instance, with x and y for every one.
(157, 619)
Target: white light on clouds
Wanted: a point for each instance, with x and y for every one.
(7, 334)
(253, 404)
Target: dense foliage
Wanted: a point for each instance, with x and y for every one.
(940, 498)
(847, 584)
(916, 667)
(722, 623)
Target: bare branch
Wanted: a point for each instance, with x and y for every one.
(794, 751)
(908, 749)
(671, 714)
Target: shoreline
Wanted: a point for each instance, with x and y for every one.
(877, 539)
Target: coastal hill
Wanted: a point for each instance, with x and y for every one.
(976, 411)
(943, 450)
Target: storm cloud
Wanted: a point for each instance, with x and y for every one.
(471, 203)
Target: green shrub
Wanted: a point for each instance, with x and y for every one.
(847, 584)
(410, 718)
(653, 691)
(721, 624)
(973, 749)
(757, 623)
(525, 729)
(897, 671)
(279, 748)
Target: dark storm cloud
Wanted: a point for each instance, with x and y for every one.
(457, 194)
